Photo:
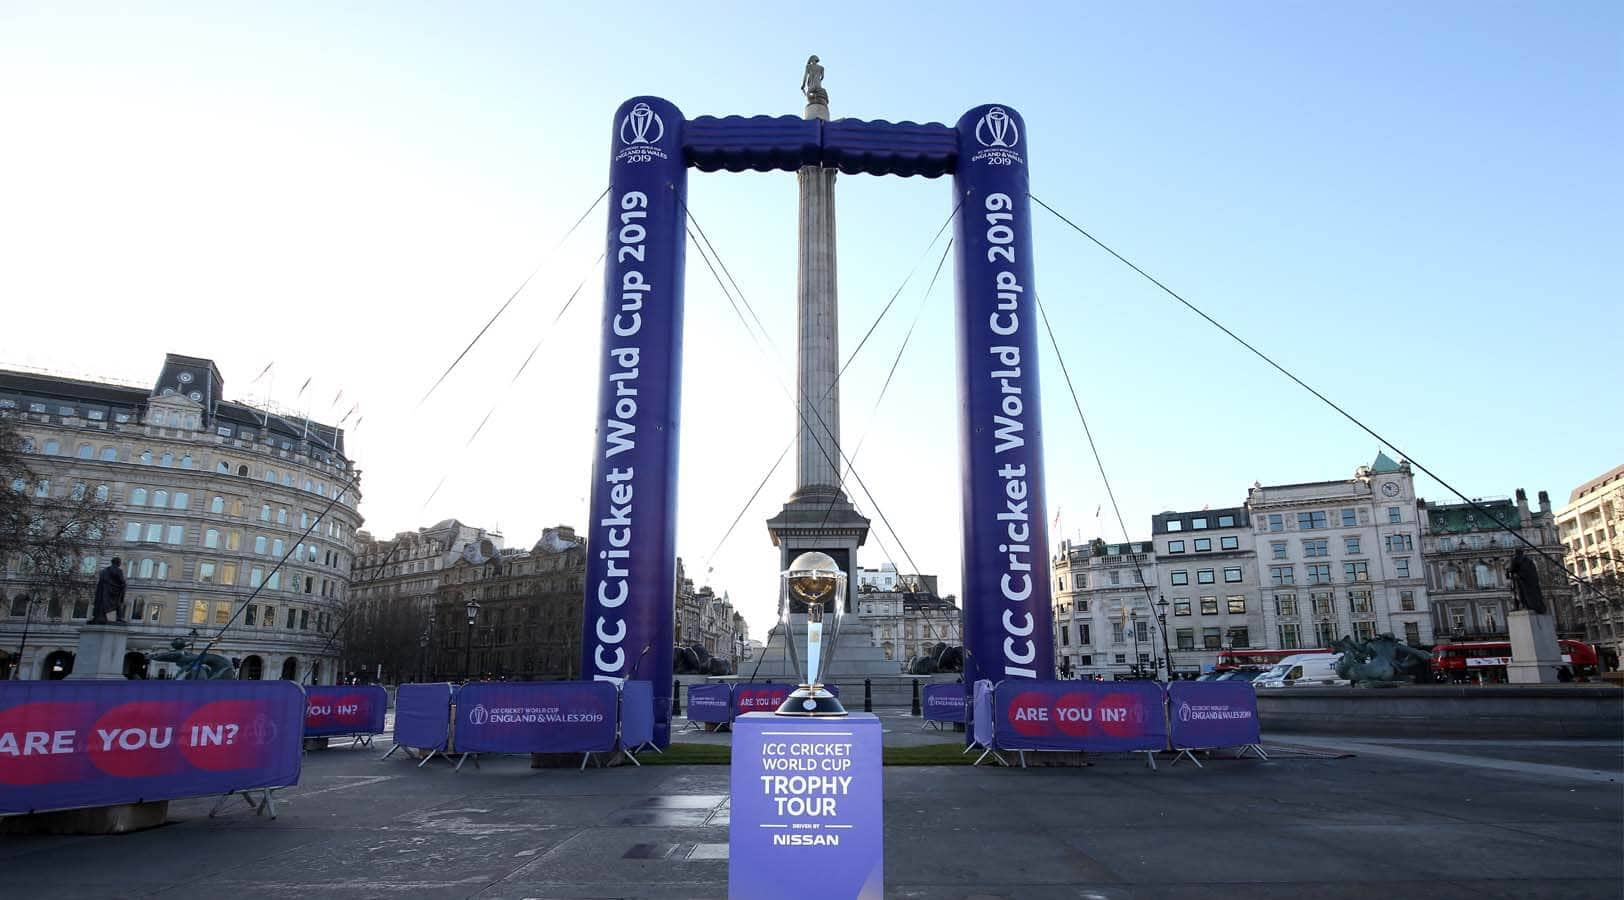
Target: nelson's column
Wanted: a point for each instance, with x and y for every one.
(818, 515)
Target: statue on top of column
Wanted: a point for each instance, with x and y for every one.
(812, 83)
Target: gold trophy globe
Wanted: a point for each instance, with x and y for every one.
(814, 585)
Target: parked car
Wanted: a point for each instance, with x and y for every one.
(1300, 670)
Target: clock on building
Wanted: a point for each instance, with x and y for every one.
(1390, 488)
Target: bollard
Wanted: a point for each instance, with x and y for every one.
(868, 695)
(676, 697)
(916, 698)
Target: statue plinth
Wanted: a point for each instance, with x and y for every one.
(1535, 654)
(101, 653)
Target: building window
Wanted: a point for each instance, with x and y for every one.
(1317, 547)
(109, 454)
(1181, 606)
(1325, 634)
(1276, 522)
(1209, 606)
(205, 572)
(1141, 629)
(1322, 604)
(1175, 525)
(217, 506)
(101, 493)
(259, 544)
(1210, 639)
(1199, 523)
(177, 534)
(265, 513)
(1175, 546)
(1230, 542)
(1350, 518)
(1232, 575)
(274, 582)
(1285, 605)
(1356, 570)
(1203, 545)
(1226, 521)
(304, 620)
(1085, 633)
(211, 539)
(1399, 543)
(1240, 637)
(181, 501)
(146, 457)
(1364, 631)
(1412, 633)
(1289, 637)
(256, 577)
(200, 612)
(86, 451)
(290, 617)
(1186, 638)
(1281, 575)
(1319, 574)
(1180, 576)
(1406, 601)
(228, 573)
(1360, 604)
(160, 499)
(155, 533)
(1065, 635)
(1401, 567)
(168, 459)
(1121, 659)
(1277, 549)
(1205, 576)
(1085, 660)
(1394, 515)
(1308, 521)
(1351, 545)
(281, 517)
(249, 617)
(1236, 606)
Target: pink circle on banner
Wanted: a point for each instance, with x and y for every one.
(1029, 713)
(218, 736)
(1120, 715)
(346, 710)
(138, 740)
(40, 743)
(1073, 714)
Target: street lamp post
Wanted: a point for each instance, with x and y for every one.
(423, 654)
(468, 651)
(1167, 649)
(1134, 617)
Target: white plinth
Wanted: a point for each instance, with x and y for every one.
(101, 652)
(1535, 654)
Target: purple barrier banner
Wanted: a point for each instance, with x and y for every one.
(423, 715)
(70, 744)
(710, 703)
(536, 717)
(344, 709)
(636, 714)
(1098, 716)
(1205, 714)
(631, 535)
(1005, 527)
(944, 702)
(749, 696)
(806, 822)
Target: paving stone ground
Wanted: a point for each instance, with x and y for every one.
(1434, 820)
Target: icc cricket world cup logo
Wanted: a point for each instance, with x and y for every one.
(478, 715)
(642, 126)
(996, 129)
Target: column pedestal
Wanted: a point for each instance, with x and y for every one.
(1535, 654)
(101, 653)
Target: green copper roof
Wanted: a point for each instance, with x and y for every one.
(1461, 517)
(1383, 464)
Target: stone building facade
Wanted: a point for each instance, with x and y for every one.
(394, 587)
(527, 622)
(1342, 558)
(1466, 556)
(1104, 619)
(701, 617)
(1591, 529)
(1210, 577)
(230, 520)
(909, 622)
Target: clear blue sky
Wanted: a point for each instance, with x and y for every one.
(1415, 206)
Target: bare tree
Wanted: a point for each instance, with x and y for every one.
(48, 542)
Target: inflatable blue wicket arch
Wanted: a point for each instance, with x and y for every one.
(631, 544)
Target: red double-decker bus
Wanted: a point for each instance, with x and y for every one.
(1484, 662)
(1257, 660)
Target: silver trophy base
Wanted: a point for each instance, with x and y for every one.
(812, 700)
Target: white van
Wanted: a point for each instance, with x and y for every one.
(1302, 670)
